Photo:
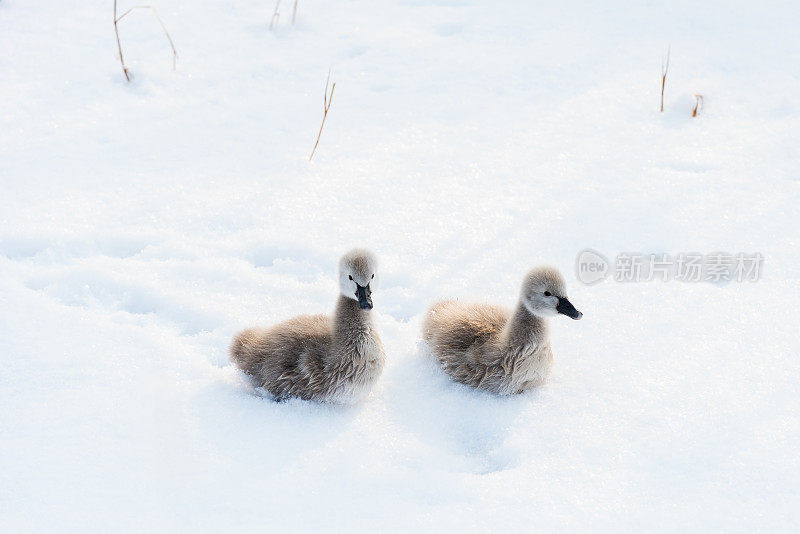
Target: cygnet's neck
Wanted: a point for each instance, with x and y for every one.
(525, 329)
(349, 319)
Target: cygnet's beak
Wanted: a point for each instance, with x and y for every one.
(364, 296)
(565, 307)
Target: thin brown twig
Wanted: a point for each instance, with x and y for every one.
(327, 102)
(698, 105)
(163, 27)
(664, 69)
(275, 16)
(294, 11)
(119, 46)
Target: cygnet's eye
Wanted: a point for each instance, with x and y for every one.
(350, 276)
(547, 294)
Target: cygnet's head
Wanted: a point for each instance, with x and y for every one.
(544, 293)
(357, 270)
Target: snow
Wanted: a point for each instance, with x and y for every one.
(142, 224)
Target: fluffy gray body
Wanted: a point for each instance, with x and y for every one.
(488, 347)
(316, 357)
(499, 350)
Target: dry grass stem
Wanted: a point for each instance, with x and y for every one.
(328, 100)
(128, 74)
(664, 69)
(698, 105)
(275, 16)
(294, 11)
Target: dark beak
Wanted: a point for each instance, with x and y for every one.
(566, 307)
(364, 296)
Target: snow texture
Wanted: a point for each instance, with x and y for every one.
(142, 224)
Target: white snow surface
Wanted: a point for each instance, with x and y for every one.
(144, 223)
